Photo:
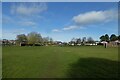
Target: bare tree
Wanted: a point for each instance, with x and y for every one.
(90, 40)
(21, 38)
(34, 38)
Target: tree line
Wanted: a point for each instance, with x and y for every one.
(108, 38)
(33, 38)
(82, 41)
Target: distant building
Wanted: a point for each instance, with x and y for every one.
(104, 42)
(23, 43)
(5, 42)
(114, 43)
(90, 44)
(58, 42)
(13, 42)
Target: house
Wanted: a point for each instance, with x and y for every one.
(78, 44)
(104, 42)
(117, 42)
(71, 43)
(58, 43)
(23, 43)
(111, 43)
(12, 42)
(90, 44)
(114, 43)
(5, 42)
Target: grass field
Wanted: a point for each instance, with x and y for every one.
(60, 62)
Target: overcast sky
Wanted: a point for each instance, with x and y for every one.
(61, 21)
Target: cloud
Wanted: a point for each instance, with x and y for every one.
(70, 28)
(7, 19)
(28, 8)
(28, 23)
(95, 17)
(73, 27)
(8, 34)
(23, 22)
(26, 14)
(81, 21)
(56, 30)
(19, 31)
(11, 34)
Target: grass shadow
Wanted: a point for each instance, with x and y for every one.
(93, 68)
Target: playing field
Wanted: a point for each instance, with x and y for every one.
(59, 62)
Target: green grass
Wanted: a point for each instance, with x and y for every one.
(59, 62)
